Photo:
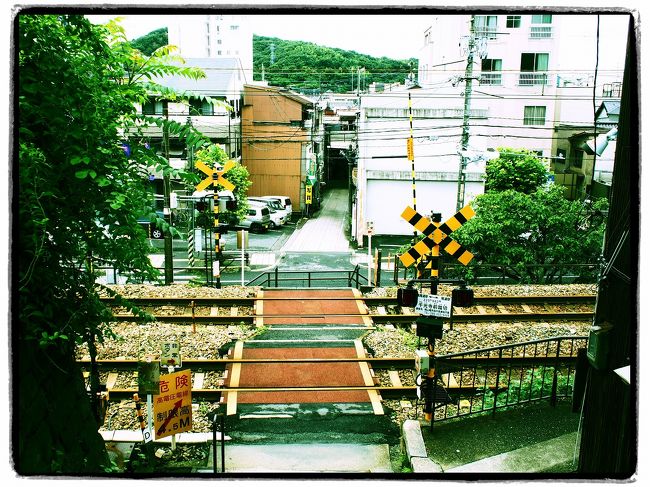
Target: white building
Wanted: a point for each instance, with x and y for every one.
(529, 75)
(214, 36)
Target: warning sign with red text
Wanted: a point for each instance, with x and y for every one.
(172, 408)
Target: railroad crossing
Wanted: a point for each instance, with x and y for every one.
(320, 402)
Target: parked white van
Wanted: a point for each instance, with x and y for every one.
(284, 201)
(276, 204)
(277, 218)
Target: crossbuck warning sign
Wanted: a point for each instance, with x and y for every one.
(436, 235)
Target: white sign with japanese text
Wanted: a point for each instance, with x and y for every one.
(433, 305)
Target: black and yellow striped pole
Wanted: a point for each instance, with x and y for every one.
(217, 235)
(139, 415)
(216, 179)
(410, 154)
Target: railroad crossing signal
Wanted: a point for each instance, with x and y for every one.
(437, 235)
(215, 176)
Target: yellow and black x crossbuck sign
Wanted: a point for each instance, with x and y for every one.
(436, 235)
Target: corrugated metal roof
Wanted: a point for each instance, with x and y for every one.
(221, 75)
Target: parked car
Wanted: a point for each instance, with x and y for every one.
(258, 218)
(286, 202)
(277, 218)
(153, 230)
(278, 206)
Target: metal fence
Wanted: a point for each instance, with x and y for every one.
(330, 278)
(486, 273)
(486, 380)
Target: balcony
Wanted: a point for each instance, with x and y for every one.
(490, 79)
(489, 33)
(532, 79)
(541, 32)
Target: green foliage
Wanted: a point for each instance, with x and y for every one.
(307, 66)
(79, 197)
(522, 232)
(517, 169)
(148, 43)
(534, 384)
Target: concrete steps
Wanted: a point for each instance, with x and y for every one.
(305, 458)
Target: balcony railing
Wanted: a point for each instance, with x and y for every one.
(531, 79)
(490, 79)
(541, 32)
(487, 32)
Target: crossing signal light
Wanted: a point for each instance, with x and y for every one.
(407, 297)
(462, 297)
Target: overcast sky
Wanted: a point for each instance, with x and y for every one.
(398, 37)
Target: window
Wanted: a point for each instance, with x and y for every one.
(153, 107)
(490, 72)
(541, 19)
(486, 25)
(612, 90)
(541, 31)
(577, 157)
(533, 68)
(534, 115)
(513, 21)
(201, 107)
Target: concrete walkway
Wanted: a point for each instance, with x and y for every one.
(305, 458)
(325, 233)
(536, 458)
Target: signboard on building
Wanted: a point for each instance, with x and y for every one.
(172, 407)
(308, 194)
(433, 305)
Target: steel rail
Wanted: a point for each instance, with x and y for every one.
(369, 300)
(376, 318)
(376, 363)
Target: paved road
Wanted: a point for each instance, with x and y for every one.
(325, 233)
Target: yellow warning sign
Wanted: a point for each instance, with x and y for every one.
(409, 149)
(172, 408)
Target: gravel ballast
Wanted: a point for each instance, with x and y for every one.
(207, 341)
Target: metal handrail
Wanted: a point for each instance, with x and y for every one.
(274, 278)
(509, 381)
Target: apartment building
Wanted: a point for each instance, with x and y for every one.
(214, 36)
(531, 76)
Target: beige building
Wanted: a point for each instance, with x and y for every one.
(281, 144)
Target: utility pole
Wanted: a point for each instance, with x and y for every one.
(469, 70)
(167, 213)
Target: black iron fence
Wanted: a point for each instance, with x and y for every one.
(486, 380)
(322, 278)
(486, 273)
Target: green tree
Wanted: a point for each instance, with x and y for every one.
(517, 169)
(238, 176)
(531, 236)
(82, 183)
(148, 43)
(307, 66)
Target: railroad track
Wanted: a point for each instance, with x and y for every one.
(199, 366)
(210, 310)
